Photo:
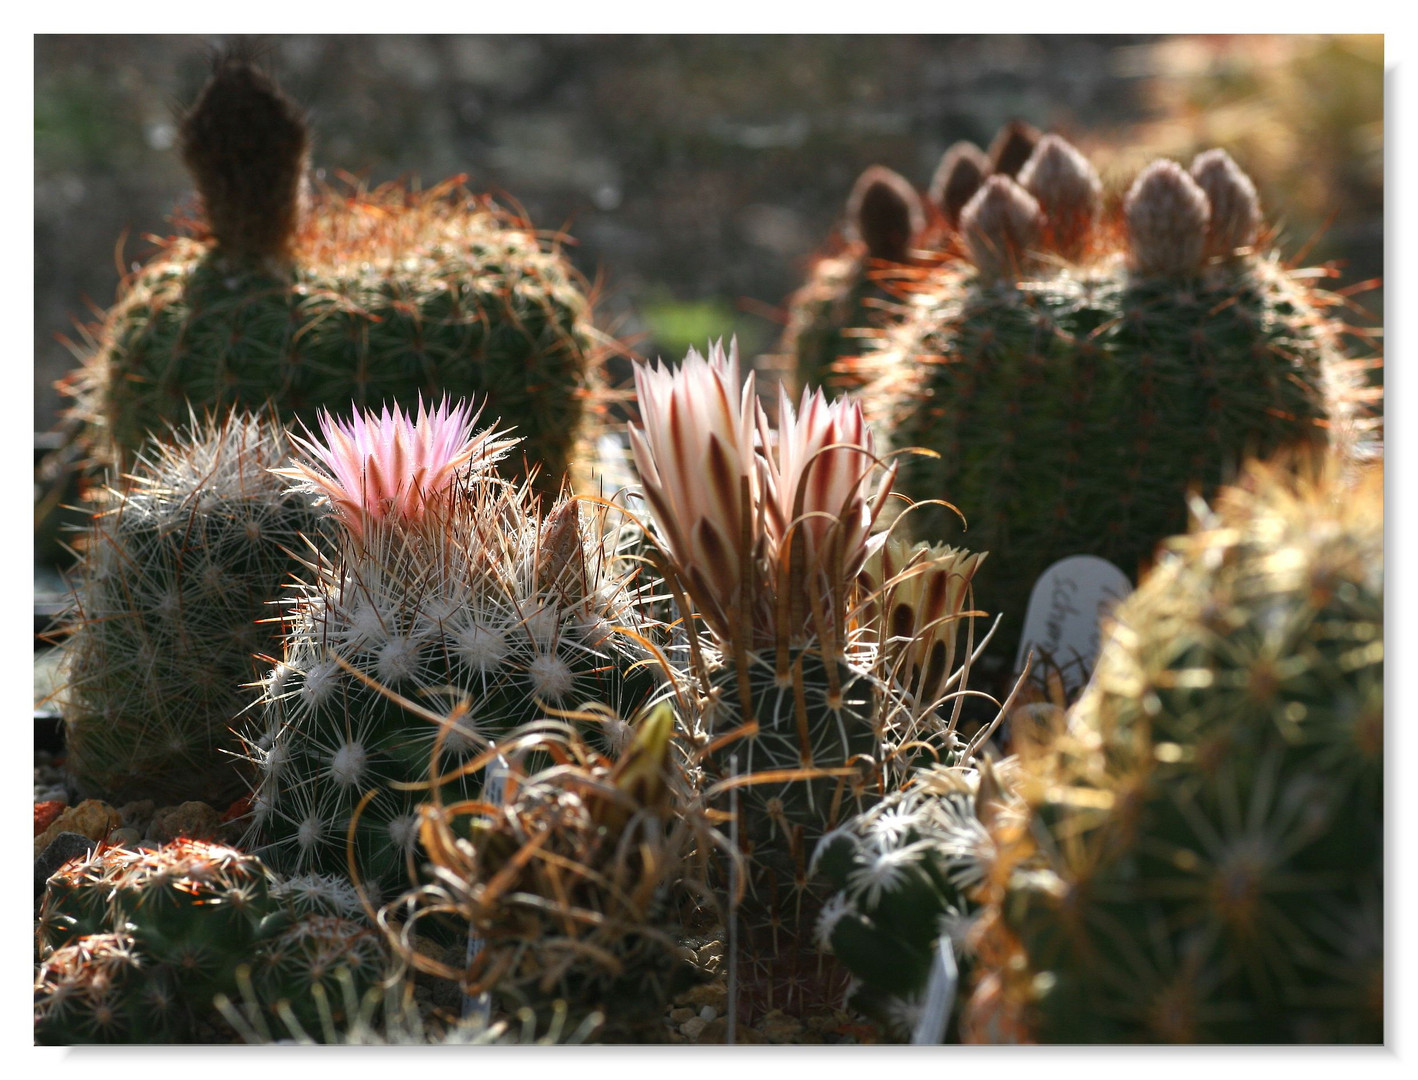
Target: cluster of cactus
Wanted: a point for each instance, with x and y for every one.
(1074, 372)
(575, 880)
(1202, 855)
(171, 608)
(455, 612)
(135, 945)
(802, 719)
(906, 874)
(314, 299)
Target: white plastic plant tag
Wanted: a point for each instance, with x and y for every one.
(940, 996)
(1065, 614)
(494, 791)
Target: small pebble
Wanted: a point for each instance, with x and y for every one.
(680, 1015)
(708, 1013)
(124, 837)
(691, 1029)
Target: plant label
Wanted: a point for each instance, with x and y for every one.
(1066, 609)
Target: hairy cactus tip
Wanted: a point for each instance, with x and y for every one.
(885, 213)
(1069, 191)
(961, 171)
(1012, 146)
(1235, 206)
(247, 147)
(1167, 214)
(1000, 225)
(391, 466)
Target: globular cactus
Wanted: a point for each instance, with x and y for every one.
(850, 288)
(1202, 857)
(315, 300)
(455, 609)
(98, 989)
(1078, 373)
(906, 874)
(172, 606)
(800, 722)
(136, 945)
(576, 881)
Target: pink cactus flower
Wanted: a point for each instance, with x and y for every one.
(390, 466)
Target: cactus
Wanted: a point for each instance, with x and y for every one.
(171, 607)
(314, 302)
(801, 723)
(454, 610)
(1075, 387)
(906, 873)
(849, 288)
(576, 881)
(1202, 857)
(136, 945)
(99, 990)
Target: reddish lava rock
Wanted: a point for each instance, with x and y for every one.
(46, 812)
(238, 809)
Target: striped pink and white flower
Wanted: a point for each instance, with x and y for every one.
(817, 471)
(694, 449)
(391, 465)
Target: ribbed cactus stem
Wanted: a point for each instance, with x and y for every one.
(1012, 146)
(1167, 213)
(1235, 206)
(961, 171)
(247, 147)
(1069, 191)
(885, 213)
(1000, 224)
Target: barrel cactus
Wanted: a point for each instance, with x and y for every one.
(1202, 859)
(316, 298)
(454, 612)
(1077, 369)
(172, 607)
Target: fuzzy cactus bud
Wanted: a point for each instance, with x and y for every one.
(1167, 213)
(247, 147)
(1012, 146)
(961, 171)
(1000, 224)
(1069, 192)
(885, 212)
(1235, 207)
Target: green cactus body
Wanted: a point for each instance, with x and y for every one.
(905, 873)
(172, 607)
(809, 717)
(1073, 401)
(301, 963)
(99, 989)
(76, 898)
(830, 317)
(390, 294)
(481, 618)
(1204, 856)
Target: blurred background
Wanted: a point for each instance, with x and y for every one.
(697, 174)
